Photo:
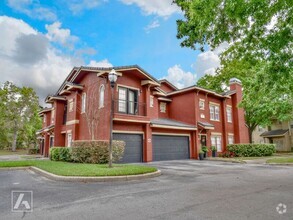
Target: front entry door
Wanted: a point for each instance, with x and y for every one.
(203, 140)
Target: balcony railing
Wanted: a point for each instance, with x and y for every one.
(129, 107)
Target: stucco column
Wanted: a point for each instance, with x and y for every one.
(148, 147)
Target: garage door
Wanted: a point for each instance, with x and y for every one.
(170, 147)
(133, 147)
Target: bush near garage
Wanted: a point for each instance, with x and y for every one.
(96, 151)
(60, 154)
(252, 150)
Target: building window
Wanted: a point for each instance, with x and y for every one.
(201, 104)
(65, 114)
(45, 118)
(52, 116)
(83, 102)
(102, 96)
(70, 105)
(217, 142)
(202, 115)
(230, 139)
(163, 107)
(51, 141)
(214, 112)
(229, 114)
(69, 139)
(151, 101)
(127, 102)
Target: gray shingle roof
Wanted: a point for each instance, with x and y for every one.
(169, 122)
(205, 124)
(274, 133)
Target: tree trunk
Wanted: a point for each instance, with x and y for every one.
(14, 140)
(250, 131)
(250, 134)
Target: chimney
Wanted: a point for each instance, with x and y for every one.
(241, 134)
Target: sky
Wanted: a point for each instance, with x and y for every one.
(42, 40)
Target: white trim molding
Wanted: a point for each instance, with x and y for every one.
(72, 122)
(172, 127)
(130, 120)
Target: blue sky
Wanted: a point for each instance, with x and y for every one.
(43, 40)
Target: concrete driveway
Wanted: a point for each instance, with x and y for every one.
(186, 190)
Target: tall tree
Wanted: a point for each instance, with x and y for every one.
(262, 29)
(259, 34)
(19, 106)
(263, 102)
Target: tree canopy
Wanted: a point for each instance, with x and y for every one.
(259, 34)
(19, 118)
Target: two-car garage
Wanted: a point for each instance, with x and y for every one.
(165, 147)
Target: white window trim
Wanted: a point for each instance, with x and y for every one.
(102, 102)
(70, 103)
(227, 110)
(231, 136)
(163, 107)
(151, 101)
(201, 107)
(219, 148)
(83, 103)
(69, 143)
(214, 112)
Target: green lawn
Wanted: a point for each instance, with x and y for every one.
(281, 160)
(9, 152)
(79, 169)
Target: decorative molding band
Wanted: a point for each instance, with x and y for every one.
(72, 122)
(173, 127)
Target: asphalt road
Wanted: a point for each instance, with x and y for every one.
(186, 190)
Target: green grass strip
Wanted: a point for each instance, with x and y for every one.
(79, 169)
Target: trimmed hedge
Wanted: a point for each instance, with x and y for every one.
(60, 154)
(252, 150)
(96, 151)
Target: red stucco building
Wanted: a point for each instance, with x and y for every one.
(156, 120)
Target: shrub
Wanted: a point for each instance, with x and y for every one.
(33, 150)
(204, 149)
(252, 150)
(96, 151)
(60, 154)
(227, 154)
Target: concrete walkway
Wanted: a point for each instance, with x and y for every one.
(21, 157)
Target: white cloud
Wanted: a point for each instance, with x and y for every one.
(60, 35)
(207, 62)
(102, 63)
(77, 6)
(32, 9)
(28, 59)
(152, 25)
(179, 77)
(163, 8)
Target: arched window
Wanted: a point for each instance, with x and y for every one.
(102, 96)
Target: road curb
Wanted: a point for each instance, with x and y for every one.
(279, 164)
(242, 162)
(83, 178)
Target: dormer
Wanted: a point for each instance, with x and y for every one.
(167, 87)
